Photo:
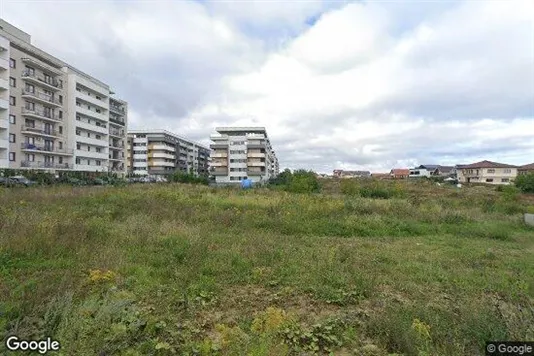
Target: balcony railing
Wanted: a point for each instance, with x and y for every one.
(29, 164)
(41, 114)
(116, 120)
(50, 82)
(119, 133)
(45, 148)
(117, 145)
(118, 109)
(42, 96)
(40, 130)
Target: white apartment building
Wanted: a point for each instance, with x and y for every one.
(239, 152)
(59, 118)
(160, 152)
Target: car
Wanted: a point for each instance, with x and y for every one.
(21, 180)
(7, 181)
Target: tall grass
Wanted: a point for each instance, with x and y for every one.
(164, 269)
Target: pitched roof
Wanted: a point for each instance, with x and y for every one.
(445, 169)
(400, 171)
(527, 166)
(487, 164)
(429, 167)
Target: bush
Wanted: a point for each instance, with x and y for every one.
(181, 177)
(300, 181)
(525, 182)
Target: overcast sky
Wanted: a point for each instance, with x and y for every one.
(339, 85)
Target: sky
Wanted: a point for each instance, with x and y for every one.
(366, 85)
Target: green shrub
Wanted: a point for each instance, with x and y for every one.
(181, 177)
(300, 181)
(525, 182)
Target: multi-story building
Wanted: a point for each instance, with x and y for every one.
(239, 152)
(486, 172)
(160, 152)
(59, 117)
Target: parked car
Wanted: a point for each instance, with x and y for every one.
(21, 180)
(7, 181)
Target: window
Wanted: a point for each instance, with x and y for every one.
(12, 119)
(12, 63)
(77, 160)
(12, 101)
(489, 180)
(88, 107)
(88, 148)
(78, 132)
(60, 98)
(78, 146)
(60, 145)
(89, 162)
(12, 156)
(60, 129)
(98, 149)
(491, 170)
(78, 104)
(12, 82)
(507, 170)
(98, 163)
(60, 160)
(30, 88)
(47, 78)
(505, 180)
(98, 137)
(12, 138)
(98, 111)
(30, 106)
(60, 114)
(99, 98)
(89, 134)
(30, 70)
(30, 157)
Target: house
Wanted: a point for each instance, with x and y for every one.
(351, 174)
(399, 173)
(444, 171)
(486, 172)
(527, 168)
(422, 171)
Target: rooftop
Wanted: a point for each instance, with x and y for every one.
(165, 132)
(486, 164)
(527, 166)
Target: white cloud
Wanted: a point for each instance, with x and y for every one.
(366, 86)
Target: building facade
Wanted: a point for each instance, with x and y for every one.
(58, 117)
(486, 172)
(239, 152)
(160, 152)
(525, 169)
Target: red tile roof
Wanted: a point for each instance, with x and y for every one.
(487, 164)
(527, 166)
(400, 172)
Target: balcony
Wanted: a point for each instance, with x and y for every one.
(116, 133)
(256, 144)
(39, 131)
(255, 164)
(255, 172)
(116, 146)
(4, 84)
(255, 155)
(45, 149)
(4, 124)
(49, 165)
(92, 99)
(4, 64)
(116, 120)
(219, 164)
(90, 113)
(219, 171)
(92, 141)
(117, 109)
(219, 155)
(111, 158)
(91, 168)
(50, 84)
(4, 144)
(4, 104)
(161, 155)
(91, 154)
(91, 127)
(160, 164)
(41, 66)
(41, 115)
(218, 137)
(161, 148)
(219, 145)
(41, 98)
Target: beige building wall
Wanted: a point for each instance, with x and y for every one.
(487, 175)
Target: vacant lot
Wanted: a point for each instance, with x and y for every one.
(180, 269)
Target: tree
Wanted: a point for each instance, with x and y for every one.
(525, 182)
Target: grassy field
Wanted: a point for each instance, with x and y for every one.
(192, 270)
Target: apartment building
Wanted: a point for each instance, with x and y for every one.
(160, 152)
(239, 152)
(59, 118)
(486, 172)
